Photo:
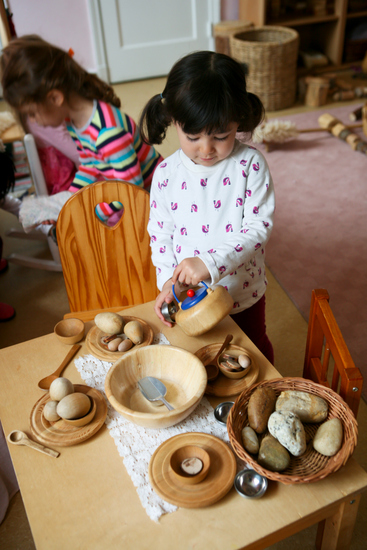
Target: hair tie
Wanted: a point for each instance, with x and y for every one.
(70, 52)
(162, 95)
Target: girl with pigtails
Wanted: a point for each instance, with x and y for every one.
(212, 201)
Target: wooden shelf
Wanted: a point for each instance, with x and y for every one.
(300, 21)
(354, 15)
(329, 37)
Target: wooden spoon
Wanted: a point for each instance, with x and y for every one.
(212, 368)
(18, 437)
(45, 383)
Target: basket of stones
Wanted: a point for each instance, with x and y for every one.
(292, 430)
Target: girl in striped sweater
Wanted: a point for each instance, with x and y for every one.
(46, 84)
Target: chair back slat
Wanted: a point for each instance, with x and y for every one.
(324, 338)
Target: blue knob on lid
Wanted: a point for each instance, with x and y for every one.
(191, 301)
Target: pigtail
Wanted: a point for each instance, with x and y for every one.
(94, 88)
(254, 114)
(154, 121)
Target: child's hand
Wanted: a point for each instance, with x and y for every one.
(190, 271)
(166, 295)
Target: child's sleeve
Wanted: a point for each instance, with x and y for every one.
(160, 229)
(240, 247)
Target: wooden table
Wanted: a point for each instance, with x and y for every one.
(86, 499)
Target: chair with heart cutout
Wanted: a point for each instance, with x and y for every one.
(106, 267)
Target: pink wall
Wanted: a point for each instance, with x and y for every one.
(64, 23)
(229, 10)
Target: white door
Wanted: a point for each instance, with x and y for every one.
(144, 38)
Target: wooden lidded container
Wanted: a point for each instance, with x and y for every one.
(204, 310)
(223, 30)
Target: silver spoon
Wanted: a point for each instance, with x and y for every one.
(17, 437)
(154, 390)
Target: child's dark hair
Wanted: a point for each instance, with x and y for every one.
(31, 68)
(204, 91)
(7, 173)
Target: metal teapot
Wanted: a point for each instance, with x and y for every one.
(200, 311)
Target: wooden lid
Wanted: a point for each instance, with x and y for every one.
(225, 28)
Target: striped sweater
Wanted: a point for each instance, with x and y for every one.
(110, 147)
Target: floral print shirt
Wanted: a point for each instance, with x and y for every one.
(222, 213)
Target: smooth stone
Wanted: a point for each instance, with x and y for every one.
(329, 437)
(272, 455)
(308, 407)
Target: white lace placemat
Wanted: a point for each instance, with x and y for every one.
(136, 444)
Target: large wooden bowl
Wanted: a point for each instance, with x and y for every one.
(181, 372)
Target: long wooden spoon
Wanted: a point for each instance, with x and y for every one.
(17, 437)
(212, 368)
(45, 383)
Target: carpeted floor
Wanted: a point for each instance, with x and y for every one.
(319, 238)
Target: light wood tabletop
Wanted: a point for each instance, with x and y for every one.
(86, 499)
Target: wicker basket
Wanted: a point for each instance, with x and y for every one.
(223, 31)
(311, 466)
(270, 54)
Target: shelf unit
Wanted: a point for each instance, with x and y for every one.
(327, 33)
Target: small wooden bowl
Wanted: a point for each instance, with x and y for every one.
(84, 420)
(69, 331)
(235, 351)
(189, 451)
(181, 372)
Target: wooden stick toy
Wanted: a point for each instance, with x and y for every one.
(280, 131)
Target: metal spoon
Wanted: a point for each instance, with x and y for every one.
(18, 437)
(45, 383)
(154, 390)
(212, 369)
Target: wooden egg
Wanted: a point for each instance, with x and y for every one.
(74, 405)
(114, 344)
(244, 361)
(109, 323)
(60, 388)
(134, 330)
(49, 411)
(125, 345)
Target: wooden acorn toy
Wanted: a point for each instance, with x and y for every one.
(200, 311)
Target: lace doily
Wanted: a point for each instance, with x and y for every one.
(136, 444)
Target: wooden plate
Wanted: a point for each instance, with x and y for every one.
(214, 487)
(61, 433)
(94, 336)
(223, 386)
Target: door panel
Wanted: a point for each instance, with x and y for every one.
(144, 38)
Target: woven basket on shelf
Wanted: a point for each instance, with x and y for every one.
(270, 55)
(311, 466)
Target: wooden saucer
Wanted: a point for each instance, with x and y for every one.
(223, 386)
(216, 484)
(97, 349)
(61, 433)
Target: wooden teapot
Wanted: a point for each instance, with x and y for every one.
(200, 311)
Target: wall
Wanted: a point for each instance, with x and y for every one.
(65, 23)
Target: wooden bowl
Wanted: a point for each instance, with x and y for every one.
(181, 372)
(69, 331)
(84, 420)
(189, 451)
(235, 351)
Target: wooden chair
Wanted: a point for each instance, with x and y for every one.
(106, 267)
(41, 190)
(324, 339)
